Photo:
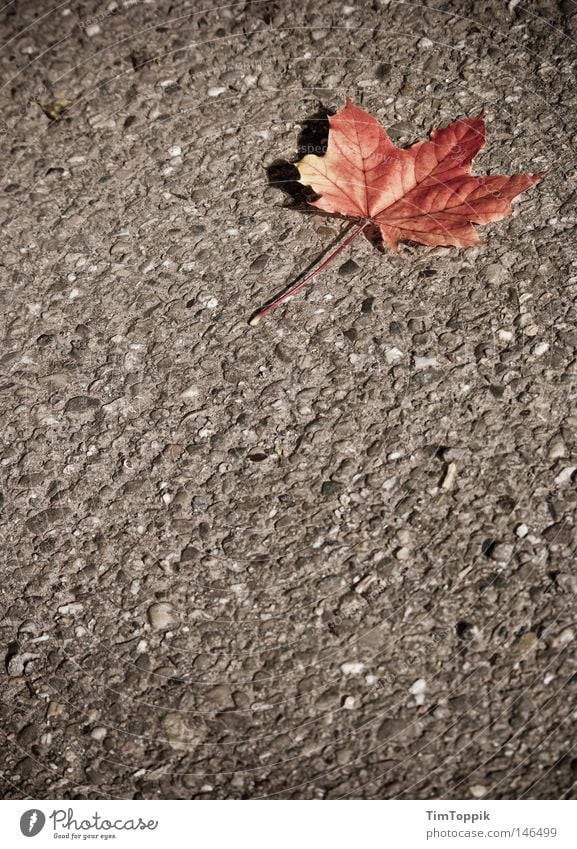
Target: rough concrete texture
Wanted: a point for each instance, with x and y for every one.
(331, 557)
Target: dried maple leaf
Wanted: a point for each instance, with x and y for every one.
(425, 193)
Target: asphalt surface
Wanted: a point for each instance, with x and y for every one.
(329, 557)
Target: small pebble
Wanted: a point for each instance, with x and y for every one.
(177, 733)
(525, 644)
(219, 696)
(567, 582)
(175, 150)
(424, 362)
(450, 475)
(565, 475)
(418, 690)
(348, 268)
(352, 668)
(531, 330)
(540, 349)
(502, 552)
(393, 355)
(364, 584)
(206, 300)
(494, 273)
(192, 391)
(478, 791)
(556, 448)
(567, 635)
(71, 609)
(215, 91)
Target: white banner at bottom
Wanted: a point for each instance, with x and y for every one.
(282, 824)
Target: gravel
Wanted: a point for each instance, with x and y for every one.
(241, 548)
(161, 615)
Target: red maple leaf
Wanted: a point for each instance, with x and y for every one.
(425, 193)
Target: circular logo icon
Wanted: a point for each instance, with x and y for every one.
(32, 822)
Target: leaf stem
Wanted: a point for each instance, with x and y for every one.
(256, 317)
